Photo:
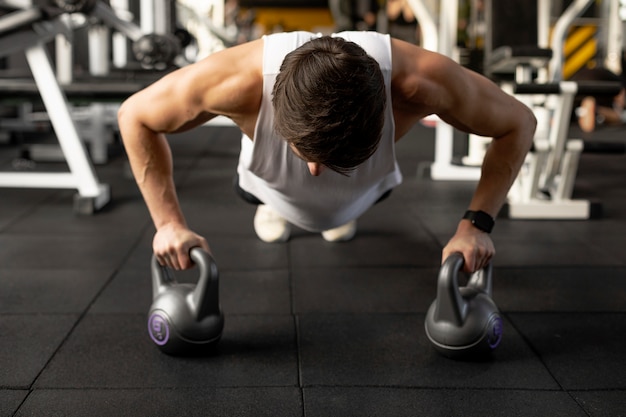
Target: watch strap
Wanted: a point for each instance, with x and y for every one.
(480, 220)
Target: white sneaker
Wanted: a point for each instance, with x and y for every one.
(269, 226)
(341, 233)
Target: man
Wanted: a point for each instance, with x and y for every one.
(320, 116)
(594, 111)
(354, 14)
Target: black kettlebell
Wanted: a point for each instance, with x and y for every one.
(186, 319)
(464, 323)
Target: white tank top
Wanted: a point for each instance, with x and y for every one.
(269, 170)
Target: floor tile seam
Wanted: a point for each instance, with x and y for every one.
(39, 314)
(614, 263)
(102, 235)
(554, 267)
(361, 265)
(296, 324)
(10, 268)
(290, 281)
(506, 313)
(82, 235)
(433, 388)
(597, 390)
(268, 269)
(89, 305)
(13, 388)
(28, 212)
(309, 386)
(432, 234)
(421, 312)
(156, 388)
(392, 267)
(128, 314)
(536, 352)
(564, 312)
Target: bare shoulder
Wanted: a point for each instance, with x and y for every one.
(418, 86)
(228, 82)
(425, 82)
(421, 77)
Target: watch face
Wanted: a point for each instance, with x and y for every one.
(480, 219)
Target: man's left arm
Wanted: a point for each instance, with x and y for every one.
(424, 83)
(477, 105)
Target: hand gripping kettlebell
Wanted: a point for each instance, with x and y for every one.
(463, 323)
(186, 319)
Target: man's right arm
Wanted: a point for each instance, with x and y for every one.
(227, 83)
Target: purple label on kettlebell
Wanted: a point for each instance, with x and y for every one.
(158, 329)
(495, 334)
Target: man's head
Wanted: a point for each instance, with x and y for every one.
(329, 101)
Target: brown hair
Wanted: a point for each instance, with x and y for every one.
(329, 101)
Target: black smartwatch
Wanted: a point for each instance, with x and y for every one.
(480, 220)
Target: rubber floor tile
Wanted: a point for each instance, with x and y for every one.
(364, 290)
(364, 251)
(390, 218)
(46, 291)
(564, 254)
(241, 253)
(248, 253)
(57, 219)
(582, 351)
(210, 219)
(210, 184)
(240, 292)
(10, 400)
(19, 202)
(560, 289)
(610, 403)
(28, 343)
(393, 350)
(612, 246)
(404, 402)
(217, 402)
(115, 351)
(63, 252)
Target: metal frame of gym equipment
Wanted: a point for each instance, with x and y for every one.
(544, 187)
(92, 194)
(30, 28)
(97, 121)
(441, 37)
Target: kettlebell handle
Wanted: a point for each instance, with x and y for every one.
(451, 306)
(482, 280)
(205, 296)
(161, 280)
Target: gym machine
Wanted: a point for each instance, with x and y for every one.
(440, 36)
(28, 28)
(544, 187)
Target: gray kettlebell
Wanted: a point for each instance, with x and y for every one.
(464, 323)
(186, 319)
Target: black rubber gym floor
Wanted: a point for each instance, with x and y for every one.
(312, 328)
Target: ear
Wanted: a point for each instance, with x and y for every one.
(315, 168)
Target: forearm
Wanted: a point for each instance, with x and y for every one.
(151, 163)
(501, 165)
